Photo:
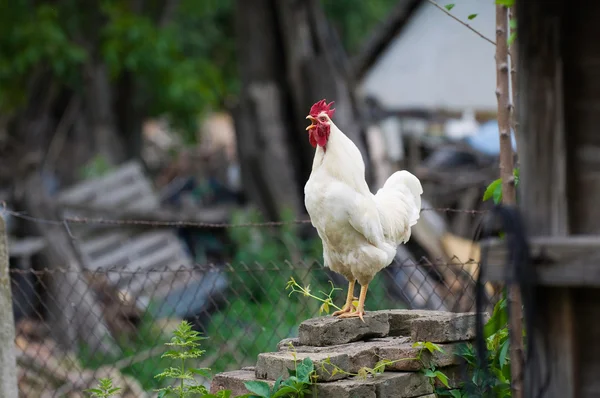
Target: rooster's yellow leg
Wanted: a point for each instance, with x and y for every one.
(360, 310)
(348, 306)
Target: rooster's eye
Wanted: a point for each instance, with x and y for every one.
(322, 118)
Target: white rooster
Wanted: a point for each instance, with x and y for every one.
(360, 231)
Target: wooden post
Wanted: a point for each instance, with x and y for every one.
(515, 326)
(8, 363)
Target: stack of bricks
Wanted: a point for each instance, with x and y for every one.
(351, 345)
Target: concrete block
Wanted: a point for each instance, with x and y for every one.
(328, 331)
(400, 320)
(348, 388)
(234, 381)
(444, 328)
(400, 385)
(275, 364)
(402, 353)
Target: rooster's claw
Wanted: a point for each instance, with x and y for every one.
(354, 314)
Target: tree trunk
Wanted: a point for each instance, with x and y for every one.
(289, 59)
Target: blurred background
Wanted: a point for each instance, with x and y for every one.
(189, 116)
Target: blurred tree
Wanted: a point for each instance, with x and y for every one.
(77, 78)
(354, 20)
(92, 71)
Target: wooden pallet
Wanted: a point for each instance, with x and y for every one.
(136, 255)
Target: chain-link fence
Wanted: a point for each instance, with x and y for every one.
(75, 325)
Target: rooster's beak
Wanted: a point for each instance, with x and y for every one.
(313, 120)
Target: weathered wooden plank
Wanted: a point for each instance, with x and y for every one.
(562, 261)
(87, 190)
(96, 246)
(140, 249)
(124, 196)
(127, 194)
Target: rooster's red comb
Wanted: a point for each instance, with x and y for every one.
(321, 106)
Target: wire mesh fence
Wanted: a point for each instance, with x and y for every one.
(112, 316)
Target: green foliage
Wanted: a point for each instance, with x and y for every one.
(176, 66)
(496, 381)
(95, 167)
(494, 190)
(513, 31)
(472, 16)
(429, 369)
(179, 69)
(297, 385)
(147, 338)
(185, 346)
(105, 389)
(325, 298)
(355, 19)
(506, 3)
(449, 6)
(32, 41)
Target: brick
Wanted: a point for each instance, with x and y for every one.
(400, 320)
(444, 328)
(233, 381)
(400, 385)
(348, 388)
(360, 353)
(328, 331)
(275, 364)
(285, 343)
(399, 352)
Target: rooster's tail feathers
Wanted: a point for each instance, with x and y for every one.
(399, 204)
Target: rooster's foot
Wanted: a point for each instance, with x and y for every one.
(344, 310)
(353, 314)
(348, 307)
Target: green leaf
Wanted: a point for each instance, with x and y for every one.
(277, 383)
(449, 6)
(442, 377)
(506, 3)
(202, 372)
(283, 391)
(260, 388)
(502, 358)
(472, 16)
(497, 321)
(305, 368)
(511, 39)
(512, 23)
(489, 191)
(162, 394)
(429, 373)
(455, 394)
(433, 347)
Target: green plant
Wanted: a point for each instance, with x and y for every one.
(104, 389)
(327, 301)
(495, 380)
(429, 369)
(185, 346)
(296, 386)
(494, 190)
